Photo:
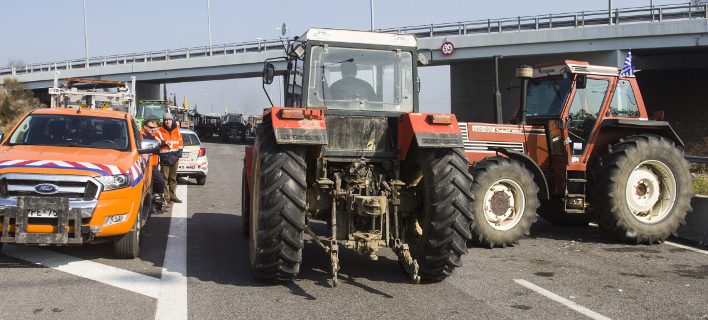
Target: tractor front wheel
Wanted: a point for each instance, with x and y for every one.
(506, 199)
(644, 189)
(278, 212)
(438, 230)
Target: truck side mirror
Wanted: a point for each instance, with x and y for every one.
(268, 73)
(582, 81)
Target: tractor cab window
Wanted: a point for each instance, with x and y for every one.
(624, 104)
(360, 79)
(546, 97)
(584, 112)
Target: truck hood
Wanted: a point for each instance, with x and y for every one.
(100, 161)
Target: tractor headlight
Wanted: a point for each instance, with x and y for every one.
(115, 181)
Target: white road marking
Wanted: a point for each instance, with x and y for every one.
(172, 297)
(109, 275)
(170, 291)
(570, 304)
(686, 247)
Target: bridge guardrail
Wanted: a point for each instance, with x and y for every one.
(514, 24)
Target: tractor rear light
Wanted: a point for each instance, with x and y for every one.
(202, 152)
(297, 114)
(440, 119)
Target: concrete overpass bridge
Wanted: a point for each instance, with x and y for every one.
(661, 37)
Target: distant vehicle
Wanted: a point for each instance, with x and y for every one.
(181, 116)
(233, 126)
(194, 163)
(253, 122)
(206, 126)
(150, 110)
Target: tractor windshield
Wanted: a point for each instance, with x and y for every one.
(360, 79)
(151, 110)
(546, 97)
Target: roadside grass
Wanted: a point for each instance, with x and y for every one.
(700, 185)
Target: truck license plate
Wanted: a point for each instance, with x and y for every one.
(42, 214)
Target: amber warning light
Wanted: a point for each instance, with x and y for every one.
(292, 114)
(440, 119)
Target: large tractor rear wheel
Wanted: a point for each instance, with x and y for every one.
(644, 189)
(278, 208)
(553, 211)
(438, 230)
(245, 205)
(506, 199)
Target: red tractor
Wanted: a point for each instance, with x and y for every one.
(582, 142)
(351, 150)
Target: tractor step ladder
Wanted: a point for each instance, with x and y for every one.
(578, 182)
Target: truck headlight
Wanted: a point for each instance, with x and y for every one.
(115, 181)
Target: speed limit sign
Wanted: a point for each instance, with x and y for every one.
(447, 48)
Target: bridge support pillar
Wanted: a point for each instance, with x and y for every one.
(147, 91)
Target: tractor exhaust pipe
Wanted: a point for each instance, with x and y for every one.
(498, 116)
(524, 73)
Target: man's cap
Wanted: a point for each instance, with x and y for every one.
(167, 116)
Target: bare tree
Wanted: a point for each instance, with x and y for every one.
(17, 63)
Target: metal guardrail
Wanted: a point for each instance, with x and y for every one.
(694, 159)
(555, 21)
(515, 24)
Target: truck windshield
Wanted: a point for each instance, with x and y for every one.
(72, 131)
(546, 97)
(151, 110)
(360, 79)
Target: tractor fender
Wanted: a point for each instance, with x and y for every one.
(419, 127)
(248, 164)
(661, 128)
(531, 165)
(308, 129)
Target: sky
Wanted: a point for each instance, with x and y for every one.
(48, 30)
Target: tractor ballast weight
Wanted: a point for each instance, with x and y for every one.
(588, 143)
(358, 156)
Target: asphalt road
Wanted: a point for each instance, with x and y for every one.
(203, 272)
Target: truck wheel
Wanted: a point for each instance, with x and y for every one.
(201, 180)
(278, 219)
(506, 202)
(127, 246)
(437, 231)
(553, 211)
(243, 136)
(644, 189)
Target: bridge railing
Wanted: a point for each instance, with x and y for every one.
(514, 24)
(554, 21)
(149, 56)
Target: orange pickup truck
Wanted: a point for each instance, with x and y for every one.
(75, 176)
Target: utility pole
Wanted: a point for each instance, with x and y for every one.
(372, 15)
(86, 36)
(209, 23)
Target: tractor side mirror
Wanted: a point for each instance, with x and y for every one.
(268, 73)
(582, 81)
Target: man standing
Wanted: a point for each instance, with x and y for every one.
(170, 154)
(149, 132)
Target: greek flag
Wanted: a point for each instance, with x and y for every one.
(628, 68)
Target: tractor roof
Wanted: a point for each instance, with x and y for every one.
(570, 66)
(356, 36)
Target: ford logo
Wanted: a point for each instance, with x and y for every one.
(46, 188)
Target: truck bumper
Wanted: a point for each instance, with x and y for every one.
(65, 228)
